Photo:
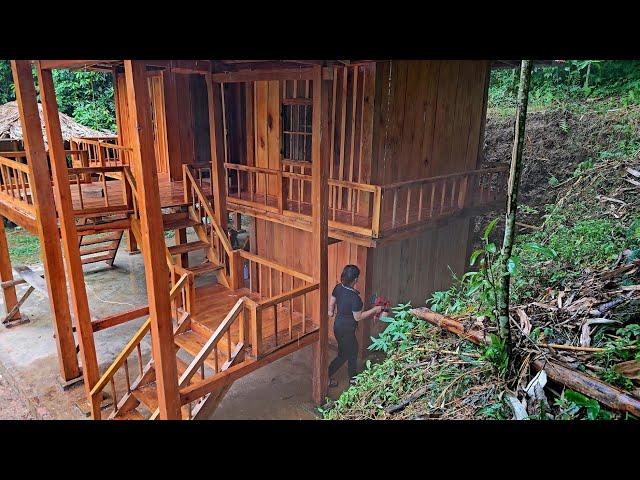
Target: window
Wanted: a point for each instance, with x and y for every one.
(296, 129)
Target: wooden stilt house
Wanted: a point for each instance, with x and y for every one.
(373, 163)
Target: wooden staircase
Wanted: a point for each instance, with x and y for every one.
(229, 332)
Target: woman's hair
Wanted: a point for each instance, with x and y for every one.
(349, 275)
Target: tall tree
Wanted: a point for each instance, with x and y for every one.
(512, 205)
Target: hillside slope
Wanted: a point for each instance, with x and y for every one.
(575, 284)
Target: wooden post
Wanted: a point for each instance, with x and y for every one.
(216, 132)
(70, 244)
(6, 274)
(46, 218)
(320, 228)
(153, 247)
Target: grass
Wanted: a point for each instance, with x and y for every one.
(24, 248)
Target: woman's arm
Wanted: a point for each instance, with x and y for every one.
(332, 306)
(364, 314)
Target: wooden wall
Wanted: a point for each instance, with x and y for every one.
(428, 118)
(413, 268)
(180, 118)
(289, 246)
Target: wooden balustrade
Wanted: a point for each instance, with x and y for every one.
(226, 346)
(123, 383)
(202, 207)
(110, 205)
(15, 184)
(352, 205)
(416, 201)
(283, 294)
(102, 151)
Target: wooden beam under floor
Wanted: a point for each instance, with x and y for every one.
(6, 275)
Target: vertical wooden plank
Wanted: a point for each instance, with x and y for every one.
(6, 274)
(156, 270)
(173, 123)
(45, 218)
(68, 232)
(320, 231)
(216, 133)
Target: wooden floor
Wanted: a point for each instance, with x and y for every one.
(171, 193)
(214, 301)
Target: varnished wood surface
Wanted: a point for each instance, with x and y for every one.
(171, 193)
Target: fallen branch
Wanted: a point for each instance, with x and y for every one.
(450, 324)
(604, 393)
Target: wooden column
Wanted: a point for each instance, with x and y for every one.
(6, 274)
(46, 218)
(156, 271)
(320, 228)
(70, 244)
(216, 132)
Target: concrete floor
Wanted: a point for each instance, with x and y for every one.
(29, 385)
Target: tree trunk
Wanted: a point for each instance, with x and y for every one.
(512, 205)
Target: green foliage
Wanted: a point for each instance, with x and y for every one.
(395, 335)
(475, 290)
(86, 96)
(23, 247)
(572, 80)
(571, 403)
(496, 354)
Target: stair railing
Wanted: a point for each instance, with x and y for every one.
(201, 207)
(122, 362)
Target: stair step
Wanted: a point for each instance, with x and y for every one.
(188, 247)
(200, 269)
(193, 342)
(130, 415)
(98, 249)
(179, 223)
(112, 237)
(97, 258)
(147, 395)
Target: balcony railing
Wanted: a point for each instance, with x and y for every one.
(360, 208)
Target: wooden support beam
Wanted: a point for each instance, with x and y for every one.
(265, 75)
(320, 156)
(54, 64)
(70, 243)
(6, 275)
(153, 246)
(216, 132)
(46, 218)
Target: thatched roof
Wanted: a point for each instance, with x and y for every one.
(10, 124)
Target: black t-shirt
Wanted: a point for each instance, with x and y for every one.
(347, 302)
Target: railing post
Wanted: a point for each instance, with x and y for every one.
(462, 194)
(236, 270)
(186, 185)
(256, 331)
(377, 212)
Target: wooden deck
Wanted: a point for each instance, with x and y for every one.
(171, 193)
(214, 301)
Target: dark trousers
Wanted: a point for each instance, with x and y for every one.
(347, 349)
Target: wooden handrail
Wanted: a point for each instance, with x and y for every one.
(120, 359)
(275, 266)
(224, 240)
(392, 186)
(212, 343)
(283, 297)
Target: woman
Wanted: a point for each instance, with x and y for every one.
(346, 305)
